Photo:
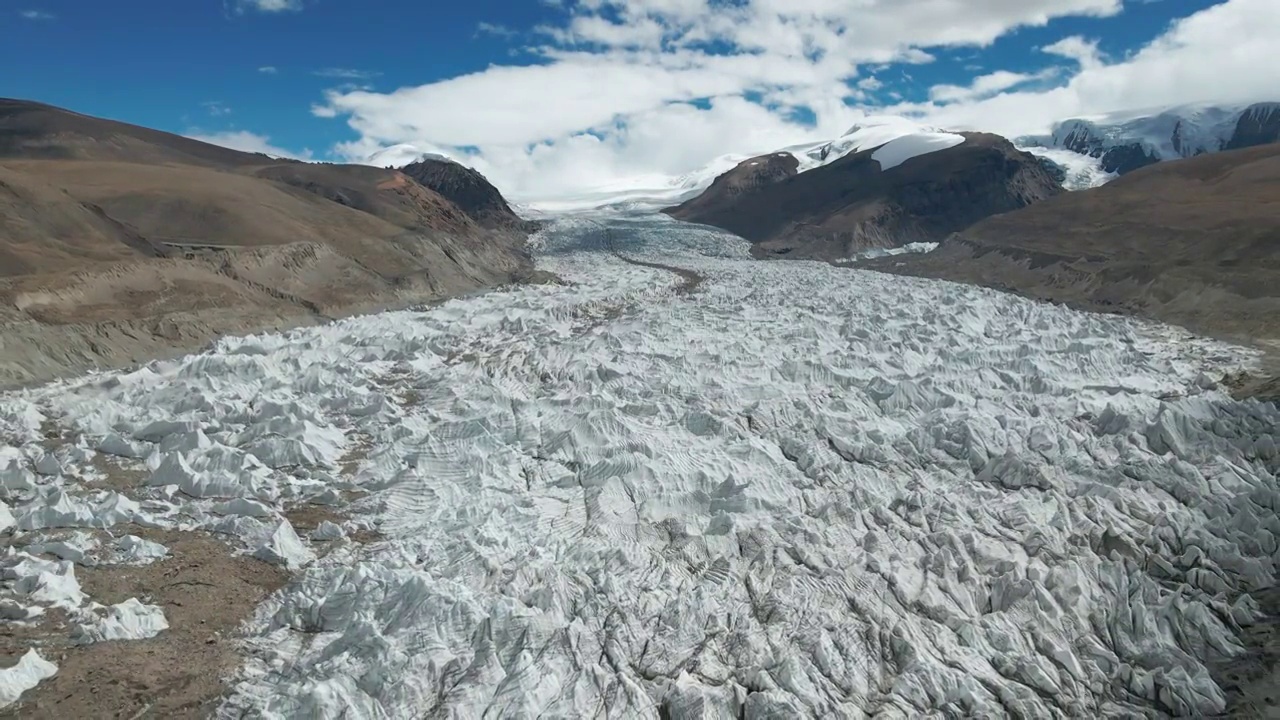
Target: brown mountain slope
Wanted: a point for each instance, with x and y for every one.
(119, 243)
(1194, 242)
(47, 229)
(34, 130)
(834, 211)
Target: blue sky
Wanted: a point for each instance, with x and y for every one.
(553, 88)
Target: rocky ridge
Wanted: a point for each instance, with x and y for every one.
(852, 204)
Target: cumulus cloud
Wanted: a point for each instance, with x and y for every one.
(268, 70)
(646, 88)
(987, 85)
(246, 142)
(1221, 54)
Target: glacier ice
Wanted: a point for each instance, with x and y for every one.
(23, 676)
(133, 550)
(45, 582)
(799, 491)
(283, 547)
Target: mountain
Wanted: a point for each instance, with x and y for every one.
(883, 188)
(1194, 242)
(120, 243)
(1124, 142)
(469, 190)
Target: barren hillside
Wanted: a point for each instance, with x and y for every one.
(1194, 242)
(119, 243)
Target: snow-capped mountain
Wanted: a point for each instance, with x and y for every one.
(898, 138)
(1125, 141)
(398, 156)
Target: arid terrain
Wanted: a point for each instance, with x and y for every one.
(1192, 242)
(119, 243)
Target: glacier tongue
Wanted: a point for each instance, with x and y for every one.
(800, 491)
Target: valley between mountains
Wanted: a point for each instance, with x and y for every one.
(910, 438)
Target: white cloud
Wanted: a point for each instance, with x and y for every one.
(268, 70)
(216, 108)
(627, 90)
(986, 85)
(487, 28)
(37, 15)
(1222, 54)
(1076, 48)
(246, 142)
(267, 6)
(345, 73)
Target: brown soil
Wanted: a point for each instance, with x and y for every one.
(206, 593)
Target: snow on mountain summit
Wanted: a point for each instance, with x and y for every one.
(911, 138)
(898, 138)
(1126, 141)
(398, 156)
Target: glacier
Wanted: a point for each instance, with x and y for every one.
(798, 491)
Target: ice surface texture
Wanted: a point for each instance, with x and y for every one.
(801, 491)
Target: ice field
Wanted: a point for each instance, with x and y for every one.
(797, 491)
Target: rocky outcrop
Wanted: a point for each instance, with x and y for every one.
(1080, 137)
(469, 190)
(1194, 242)
(834, 211)
(1126, 142)
(1258, 125)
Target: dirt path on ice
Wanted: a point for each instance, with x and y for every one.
(690, 280)
(206, 592)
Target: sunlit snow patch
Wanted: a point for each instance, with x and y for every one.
(908, 249)
(900, 150)
(910, 137)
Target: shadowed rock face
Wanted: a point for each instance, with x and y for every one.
(834, 211)
(1259, 125)
(469, 190)
(1194, 242)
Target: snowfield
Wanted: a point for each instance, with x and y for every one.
(799, 491)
